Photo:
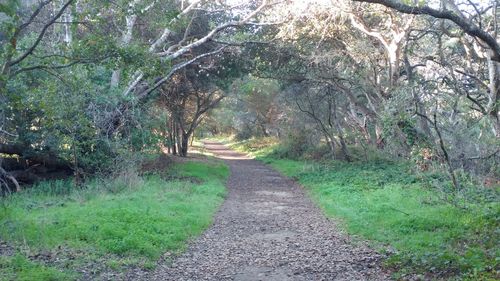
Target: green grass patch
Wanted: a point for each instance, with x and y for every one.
(212, 172)
(19, 267)
(256, 147)
(136, 223)
(420, 227)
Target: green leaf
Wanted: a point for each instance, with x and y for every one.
(9, 8)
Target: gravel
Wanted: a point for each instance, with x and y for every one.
(268, 229)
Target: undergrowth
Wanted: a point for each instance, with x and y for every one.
(130, 224)
(19, 267)
(437, 233)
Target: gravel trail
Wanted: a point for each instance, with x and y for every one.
(267, 229)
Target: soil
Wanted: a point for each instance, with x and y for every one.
(268, 229)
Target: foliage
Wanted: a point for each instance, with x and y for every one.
(419, 227)
(87, 87)
(20, 268)
(358, 77)
(254, 146)
(140, 221)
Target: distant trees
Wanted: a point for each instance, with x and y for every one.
(321, 104)
(81, 81)
(84, 83)
(487, 46)
(412, 81)
(186, 103)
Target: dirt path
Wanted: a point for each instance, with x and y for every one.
(268, 229)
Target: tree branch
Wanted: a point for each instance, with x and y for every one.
(211, 34)
(46, 67)
(175, 69)
(41, 34)
(32, 17)
(467, 26)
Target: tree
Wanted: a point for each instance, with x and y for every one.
(450, 11)
(76, 85)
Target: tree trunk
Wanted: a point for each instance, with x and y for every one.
(394, 55)
(263, 129)
(366, 134)
(422, 121)
(380, 140)
(45, 158)
(338, 128)
(178, 139)
(184, 145)
(7, 176)
(174, 138)
(192, 140)
(170, 136)
(343, 145)
(331, 144)
(67, 18)
(115, 78)
(126, 39)
(343, 148)
(494, 95)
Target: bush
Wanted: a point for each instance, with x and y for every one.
(116, 219)
(383, 201)
(294, 146)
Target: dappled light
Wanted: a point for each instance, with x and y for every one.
(249, 140)
(223, 153)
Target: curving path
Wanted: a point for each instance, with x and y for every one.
(267, 229)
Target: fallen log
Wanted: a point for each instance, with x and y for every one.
(23, 165)
(12, 149)
(26, 176)
(32, 157)
(11, 178)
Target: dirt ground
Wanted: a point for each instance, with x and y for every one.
(268, 229)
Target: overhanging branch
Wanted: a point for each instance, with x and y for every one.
(42, 34)
(176, 68)
(466, 25)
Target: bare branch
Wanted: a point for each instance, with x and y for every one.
(7, 133)
(467, 26)
(211, 34)
(177, 68)
(32, 17)
(42, 34)
(138, 77)
(42, 66)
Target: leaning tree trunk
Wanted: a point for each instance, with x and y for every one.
(171, 141)
(379, 136)
(331, 143)
(343, 145)
(340, 132)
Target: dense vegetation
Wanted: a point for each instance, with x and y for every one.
(91, 90)
(107, 225)
(423, 230)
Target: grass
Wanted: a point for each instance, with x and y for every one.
(255, 147)
(422, 231)
(19, 267)
(133, 225)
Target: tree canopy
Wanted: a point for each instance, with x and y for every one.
(85, 83)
